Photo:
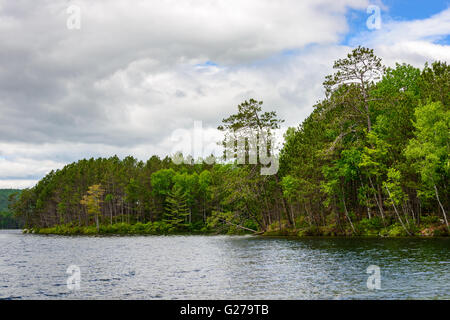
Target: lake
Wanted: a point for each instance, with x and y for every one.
(221, 267)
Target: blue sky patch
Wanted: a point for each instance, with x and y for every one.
(398, 10)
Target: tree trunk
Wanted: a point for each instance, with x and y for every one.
(96, 222)
(238, 226)
(378, 201)
(442, 207)
(395, 209)
(346, 213)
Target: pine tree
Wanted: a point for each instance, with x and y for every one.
(176, 207)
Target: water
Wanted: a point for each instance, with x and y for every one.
(221, 267)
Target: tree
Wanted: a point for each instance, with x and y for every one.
(176, 207)
(435, 84)
(162, 183)
(250, 124)
(253, 129)
(429, 150)
(354, 78)
(368, 144)
(205, 193)
(92, 201)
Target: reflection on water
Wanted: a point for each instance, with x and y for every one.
(221, 267)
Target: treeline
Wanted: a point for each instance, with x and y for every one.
(7, 218)
(98, 192)
(372, 159)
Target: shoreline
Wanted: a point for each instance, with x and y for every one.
(271, 234)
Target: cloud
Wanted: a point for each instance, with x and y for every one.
(414, 42)
(137, 71)
(78, 85)
(17, 184)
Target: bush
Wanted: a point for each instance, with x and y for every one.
(90, 230)
(196, 226)
(309, 231)
(251, 224)
(396, 230)
(429, 220)
(138, 228)
(329, 230)
(369, 227)
(441, 231)
(302, 222)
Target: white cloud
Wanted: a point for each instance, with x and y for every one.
(26, 168)
(17, 183)
(414, 42)
(136, 71)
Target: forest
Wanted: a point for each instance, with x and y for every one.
(372, 159)
(7, 218)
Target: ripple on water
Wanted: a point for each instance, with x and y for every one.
(221, 267)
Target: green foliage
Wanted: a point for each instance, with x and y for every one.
(162, 181)
(394, 185)
(251, 224)
(396, 230)
(429, 220)
(370, 227)
(429, 150)
(7, 219)
(149, 228)
(4, 198)
(176, 210)
(371, 159)
(310, 232)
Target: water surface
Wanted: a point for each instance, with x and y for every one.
(221, 267)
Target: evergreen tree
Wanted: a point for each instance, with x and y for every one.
(176, 208)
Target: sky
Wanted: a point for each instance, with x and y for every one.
(81, 79)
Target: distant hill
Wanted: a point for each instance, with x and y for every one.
(4, 194)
